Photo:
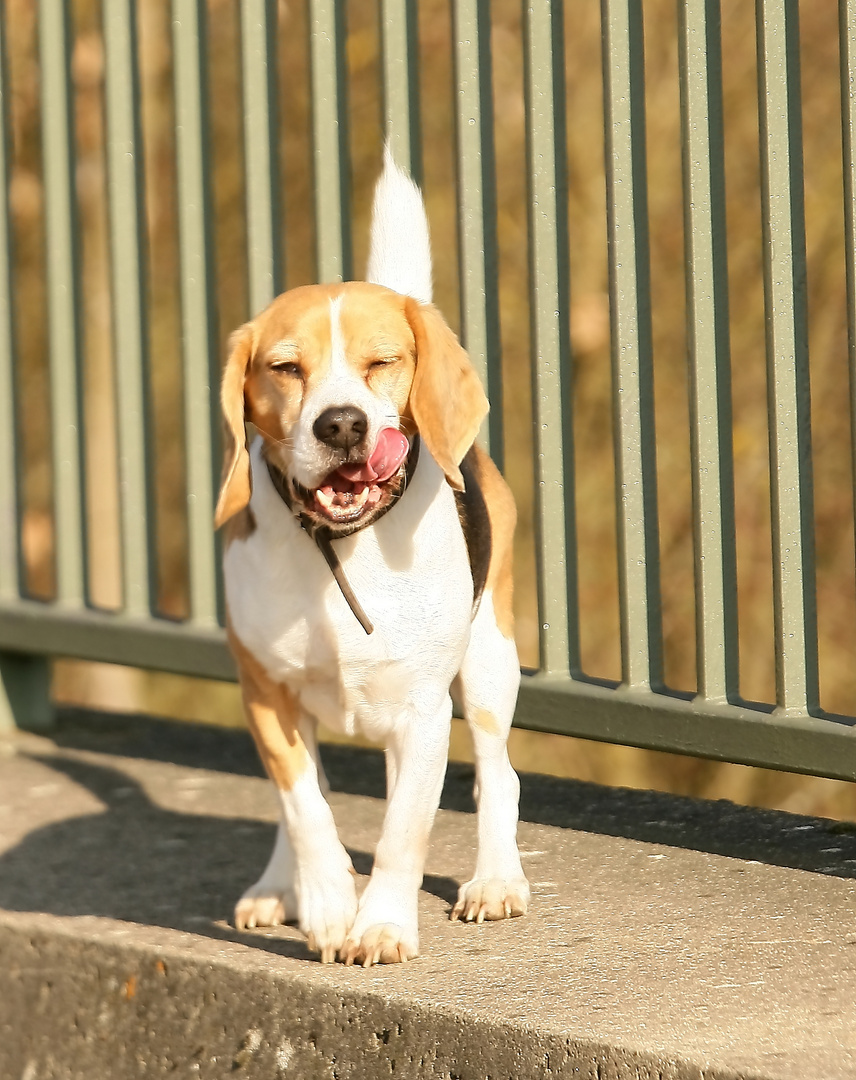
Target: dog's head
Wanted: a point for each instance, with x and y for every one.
(334, 378)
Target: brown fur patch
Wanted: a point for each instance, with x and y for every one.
(235, 484)
(447, 401)
(239, 526)
(486, 722)
(272, 715)
(379, 341)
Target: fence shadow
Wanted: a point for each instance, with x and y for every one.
(817, 845)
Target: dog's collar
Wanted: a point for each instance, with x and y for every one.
(322, 534)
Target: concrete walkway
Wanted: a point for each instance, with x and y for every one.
(669, 938)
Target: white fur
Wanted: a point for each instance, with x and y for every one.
(400, 252)
(410, 573)
(489, 680)
(324, 883)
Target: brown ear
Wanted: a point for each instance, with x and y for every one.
(446, 398)
(235, 485)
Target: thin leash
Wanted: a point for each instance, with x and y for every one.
(322, 535)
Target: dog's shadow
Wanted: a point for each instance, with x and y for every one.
(140, 863)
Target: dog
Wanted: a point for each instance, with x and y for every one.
(367, 564)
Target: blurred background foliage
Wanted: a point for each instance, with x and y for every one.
(129, 689)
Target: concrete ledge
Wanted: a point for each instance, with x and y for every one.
(669, 938)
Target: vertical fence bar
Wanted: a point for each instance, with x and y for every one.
(63, 300)
(544, 77)
(400, 53)
(127, 252)
(197, 300)
(630, 316)
(787, 355)
(847, 46)
(24, 680)
(478, 254)
(330, 138)
(9, 547)
(261, 161)
(709, 351)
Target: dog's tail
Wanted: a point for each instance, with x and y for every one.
(400, 247)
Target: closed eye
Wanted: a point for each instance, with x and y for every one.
(385, 361)
(288, 367)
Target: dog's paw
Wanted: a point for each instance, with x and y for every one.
(260, 906)
(491, 898)
(328, 907)
(384, 943)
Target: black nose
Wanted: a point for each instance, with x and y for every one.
(341, 427)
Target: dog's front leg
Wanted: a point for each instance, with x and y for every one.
(386, 929)
(323, 875)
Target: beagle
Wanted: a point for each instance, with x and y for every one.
(367, 562)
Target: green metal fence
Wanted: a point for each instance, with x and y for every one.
(790, 733)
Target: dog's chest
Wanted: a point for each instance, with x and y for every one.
(411, 575)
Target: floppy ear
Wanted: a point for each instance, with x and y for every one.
(446, 398)
(235, 485)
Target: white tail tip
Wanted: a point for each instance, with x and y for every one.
(400, 247)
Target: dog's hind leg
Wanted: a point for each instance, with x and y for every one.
(488, 683)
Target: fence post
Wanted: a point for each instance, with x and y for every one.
(25, 693)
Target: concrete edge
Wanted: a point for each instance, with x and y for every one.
(75, 1007)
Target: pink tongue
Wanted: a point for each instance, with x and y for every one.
(387, 456)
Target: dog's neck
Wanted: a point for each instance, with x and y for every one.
(322, 534)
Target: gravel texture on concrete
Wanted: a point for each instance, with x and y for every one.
(668, 938)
